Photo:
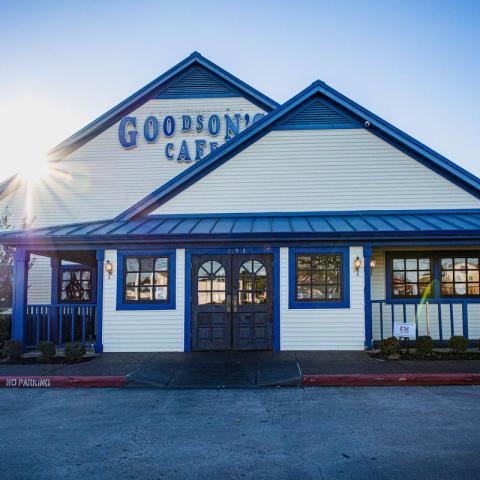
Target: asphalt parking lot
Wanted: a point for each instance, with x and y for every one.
(340, 433)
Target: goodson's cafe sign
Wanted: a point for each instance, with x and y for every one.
(186, 150)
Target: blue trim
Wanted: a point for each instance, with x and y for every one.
(55, 264)
(465, 319)
(367, 255)
(344, 303)
(99, 311)
(19, 301)
(231, 251)
(141, 96)
(52, 246)
(172, 267)
(276, 300)
(377, 126)
(126, 242)
(79, 266)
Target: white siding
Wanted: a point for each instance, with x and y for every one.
(143, 330)
(319, 170)
(101, 179)
(323, 329)
(39, 280)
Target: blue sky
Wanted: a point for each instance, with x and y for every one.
(414, 63)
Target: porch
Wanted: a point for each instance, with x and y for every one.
(436, 287)
(74, 285)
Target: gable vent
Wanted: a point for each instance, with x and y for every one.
(318, 114)
(197, 82)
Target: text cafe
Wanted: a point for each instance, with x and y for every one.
(201, 124)
(200, 214)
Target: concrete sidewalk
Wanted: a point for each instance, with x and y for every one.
(247, 370)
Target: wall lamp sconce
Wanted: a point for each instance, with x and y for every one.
(109, 268)
(373, 262)
(357, 263)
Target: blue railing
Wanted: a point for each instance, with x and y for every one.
(440, 319)
(60, 323)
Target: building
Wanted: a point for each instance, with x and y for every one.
(199, 214)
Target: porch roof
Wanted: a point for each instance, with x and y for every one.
(276, 226)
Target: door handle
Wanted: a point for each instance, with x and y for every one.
(228, 303)
(235, 303)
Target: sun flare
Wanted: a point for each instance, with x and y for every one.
(27, 124)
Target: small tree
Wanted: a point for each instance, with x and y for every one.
(6, 267)
(6, 263)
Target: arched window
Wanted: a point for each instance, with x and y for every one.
(211, 283)
(252, 286)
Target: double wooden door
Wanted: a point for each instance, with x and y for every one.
(232, 302)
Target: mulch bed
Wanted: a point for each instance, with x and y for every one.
(435, 355)
(38, 360)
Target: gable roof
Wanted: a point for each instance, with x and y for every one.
(195, 76)
(322, 101)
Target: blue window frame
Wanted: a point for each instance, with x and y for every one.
(451, 275)
(76, 284)
(146, 279)
(318, 278)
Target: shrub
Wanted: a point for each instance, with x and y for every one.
(424, 345)
(390, 346)
(47, 351)
(458, 344)
(12, 349)
(5, 327)
(74, 352)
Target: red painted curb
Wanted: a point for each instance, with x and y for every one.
(61, 381)
(391, 379)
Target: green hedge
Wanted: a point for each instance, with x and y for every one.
(5, 326)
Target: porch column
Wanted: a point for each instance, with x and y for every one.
(99, 310)
(55, 264)
(19, 301)
(367, 255)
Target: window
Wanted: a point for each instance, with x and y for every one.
(434, 275)
(252, 286)
(211, 283)
(459, 276)
(411, 277)
(319, 278)
(75, 285)
(145, 280)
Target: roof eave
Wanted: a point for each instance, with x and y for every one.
(337, 237)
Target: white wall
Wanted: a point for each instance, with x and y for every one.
(39, 280)
(143, 330)
(101, 179)
(319, 170)
(323, 329)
